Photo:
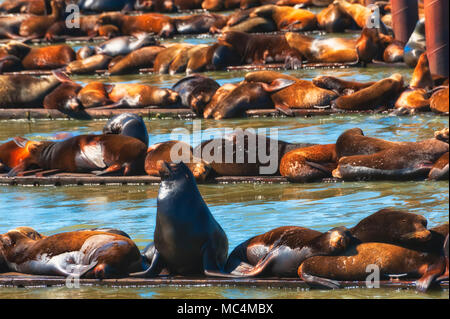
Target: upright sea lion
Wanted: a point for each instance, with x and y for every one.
(24, 90)
(322, 271)
(380, 94)
(416, 44)
(84, 153)
(259, 48)
(172, 152)
(248, 96)
(361, 14)
(287, 18)
(196, 91)
(300, 95)
(37, 26)
(281, 251)
(88, 254)
(188, 240)
(127, 124)
(139, 59)
(125, 45)
(93, 95)
(309, 164)
(141, 95)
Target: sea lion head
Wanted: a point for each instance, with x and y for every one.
(29, 232)
(336, 240)
(17, 49)
(127, 124)
(167, 96)
(442, 135)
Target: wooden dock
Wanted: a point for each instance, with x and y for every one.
(21, 280)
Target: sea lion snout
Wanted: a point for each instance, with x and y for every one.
(339, 238)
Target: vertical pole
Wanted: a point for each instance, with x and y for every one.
(405, 14)
(436, 35)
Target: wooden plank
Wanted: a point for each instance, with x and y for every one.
(20, 280)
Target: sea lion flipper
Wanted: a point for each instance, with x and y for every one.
(319, 282)
(155, 268)
(285, 109)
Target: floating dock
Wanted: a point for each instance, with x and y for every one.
(21, 280)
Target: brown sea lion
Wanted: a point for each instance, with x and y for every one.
(309, 164)
(85, 52)
(18, 91)
(393, 53)
(42, 58)
(218, 96)
(11, 154)
(64, 98)
(199, 23)
(37, 26)
(139, 59)
(248, 96)
(85, 153)
(250, 25)
(170, 152)
(287, 18)
(334, 19)
(181, 61)
(280, 252)
(301, 95)
(439, 171)
(338, 85)
(141, 95)
(88, 65)
(422, 75)
(380, 94)
(259, 48)
(360, 13)
(88, 254)
(165, 57)
(439, 101)
(442, 135)
(93, 95)
(390, 259)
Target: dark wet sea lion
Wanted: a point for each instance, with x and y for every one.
(64, 98)
(85, 153)
(248, 96)
(125, 44)
(416, 44)
(196, 91)
(281, 251)
(188, 240)
(89, 254)
(165, 152)
(105, 5)
(309, 164)
(239, 154)
(259, 48)
(88, 65)
(93, 95)
(141, 95)
(25, 91)
(380, 94)
(139, 59)
(338, 85)
(322, 271)
(127, 124)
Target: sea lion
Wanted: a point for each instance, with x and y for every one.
(125, 44)
(244, 153)
(196, 91)
(165, 58)
(412, 160)
(127, 124)
(18, 91)
(442, 135)
(287, 18)
(165, 152)
(85, 52)
(64, 98)
(309, 164)
(220, 94)
(155, 5)
(11, 155)
(188, 240)
(250, 25)
(258, 48)
(300, 95)
(88, 65)
(393, 53)
(93, 95)
(141, 95)
(334, 19)
(248, 96)
(139, 59)
(352, 265)
(105, 5)
(84, 153)
(199, 23)
(361, 14)
(380, 94)
(338, 85)
(416, 44)
(439, 101)
(159, 24)
(87, 254)
(180, 62)
(42, 58)
(37, 26)
(281, 251)
(439, 171)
